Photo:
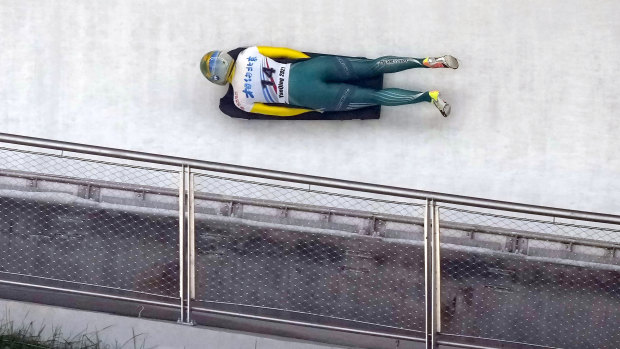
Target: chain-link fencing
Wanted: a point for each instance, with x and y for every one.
(289, 252)
(297, 253)
(530, 281)
(89, 225)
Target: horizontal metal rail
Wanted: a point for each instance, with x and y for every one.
(312, 180)
(88, 293)
(461, 341)
(309, 324)
(501, 344)
(352, 330)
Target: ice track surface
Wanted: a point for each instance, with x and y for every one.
(534, 103)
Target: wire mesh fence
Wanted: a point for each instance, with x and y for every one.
(317, 256)
(88, 223)
(305, 253)
(529, 281)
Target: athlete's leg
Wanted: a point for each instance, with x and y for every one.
(340, 96)
(363, 97)
(365, 68)
(335, 68)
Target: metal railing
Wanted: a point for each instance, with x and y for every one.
(306, 250)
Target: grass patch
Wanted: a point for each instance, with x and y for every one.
(26, 336)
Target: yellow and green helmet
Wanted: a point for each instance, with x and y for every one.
(217, 66)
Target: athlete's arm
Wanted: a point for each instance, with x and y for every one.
(276, 110)
(281, 52)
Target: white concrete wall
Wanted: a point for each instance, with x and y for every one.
(112, 329)
(534, 103)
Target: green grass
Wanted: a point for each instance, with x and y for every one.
(27, 337)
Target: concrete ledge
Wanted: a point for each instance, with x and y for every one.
(118, 329)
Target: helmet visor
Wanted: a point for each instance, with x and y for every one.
(216, 66)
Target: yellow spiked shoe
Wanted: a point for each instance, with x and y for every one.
(443, 106)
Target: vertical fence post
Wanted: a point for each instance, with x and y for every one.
(436, 266)
(181, 240)
(191, 245)
(428, 276)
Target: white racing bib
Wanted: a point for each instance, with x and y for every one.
(259, 79)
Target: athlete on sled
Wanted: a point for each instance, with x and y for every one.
(263, 84)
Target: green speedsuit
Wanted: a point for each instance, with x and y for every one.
(327, 83)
